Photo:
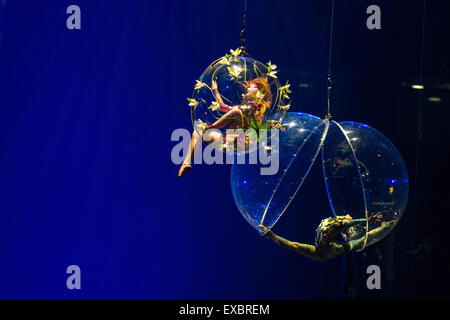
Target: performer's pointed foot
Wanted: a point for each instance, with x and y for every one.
(185, 167)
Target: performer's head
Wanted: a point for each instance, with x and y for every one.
(258, 96)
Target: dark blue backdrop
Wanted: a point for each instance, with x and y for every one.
(85, 123)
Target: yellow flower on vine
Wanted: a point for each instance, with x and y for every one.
(284, 90)
(215, 105)
(199, 85)
(271, 70)
(192, 102)
(225, 60)
(236, 53)
(286, 107)
(235, 70)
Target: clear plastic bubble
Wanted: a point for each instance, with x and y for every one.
(234, 76)
(364, 174)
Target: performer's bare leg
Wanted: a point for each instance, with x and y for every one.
(232, 118)
(194, 145)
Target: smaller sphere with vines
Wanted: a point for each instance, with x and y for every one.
(236, 82)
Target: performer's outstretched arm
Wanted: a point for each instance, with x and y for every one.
(372, 234)
(303, 249)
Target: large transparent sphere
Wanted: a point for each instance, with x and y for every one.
(364, 174)
(232, 78)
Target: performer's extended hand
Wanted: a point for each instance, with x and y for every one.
(375, 217)
(267, 232)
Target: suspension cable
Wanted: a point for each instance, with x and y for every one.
(243, 36)
(329, 82)
(419, 140)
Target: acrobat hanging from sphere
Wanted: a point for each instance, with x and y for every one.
(327, 245)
